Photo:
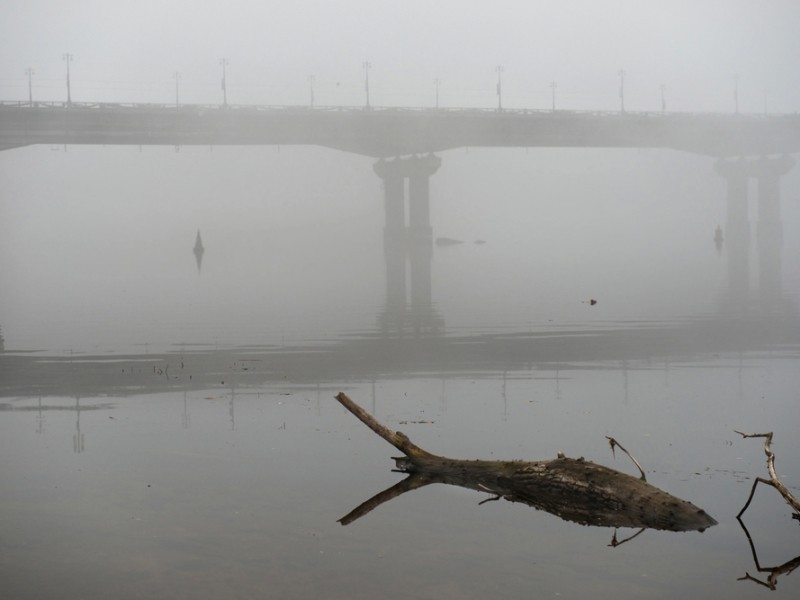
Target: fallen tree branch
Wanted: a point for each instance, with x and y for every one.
(573, 489)
(612, 442)
(773, 480)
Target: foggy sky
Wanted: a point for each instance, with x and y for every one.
(95, 241)
(129, 50)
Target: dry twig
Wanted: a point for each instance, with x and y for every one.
(773, 476)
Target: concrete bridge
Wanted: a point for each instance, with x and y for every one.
(744, 146)
(388, 132)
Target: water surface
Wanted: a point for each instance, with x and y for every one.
(171, 432)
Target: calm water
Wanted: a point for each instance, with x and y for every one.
(236, 492)
(166, 432)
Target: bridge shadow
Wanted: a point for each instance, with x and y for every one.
(372, 355)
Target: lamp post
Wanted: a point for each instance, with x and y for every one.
(736, 93)
(436, 83)
(311, 90)
(621, 91)
(366, 66)
(30, 72)
(663, 99)
(553, 94)
(499, 70)
(224, 62)
(177, 77)
(67, 57)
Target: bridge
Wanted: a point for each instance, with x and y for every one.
(388, 132)
(759, 146)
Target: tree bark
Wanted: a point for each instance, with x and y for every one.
(573, 489)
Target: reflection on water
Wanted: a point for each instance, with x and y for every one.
(198, 251)
(235, 487)
(774, 572)
(378, 354)
(166, 434)
(573, 489)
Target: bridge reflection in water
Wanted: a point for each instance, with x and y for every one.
(411, 334)
(408, 241)
(408, 246)
(769, 232)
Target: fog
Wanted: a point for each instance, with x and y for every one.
(583, 295)
(293, 238)
(128, 52)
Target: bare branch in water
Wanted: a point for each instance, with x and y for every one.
(773, 480)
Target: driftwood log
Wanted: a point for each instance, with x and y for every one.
(573, 489)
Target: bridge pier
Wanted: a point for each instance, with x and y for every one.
(769, 228)
(408, 242)
(737, 228)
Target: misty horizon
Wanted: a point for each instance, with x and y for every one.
(184, 289)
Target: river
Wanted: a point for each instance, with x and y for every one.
(169, 429)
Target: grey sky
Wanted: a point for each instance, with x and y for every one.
(129, 50)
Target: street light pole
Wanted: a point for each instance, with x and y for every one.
(30, 72)
(499, 70)
(663, 99)
(436, 82)
(553, 90)
(177, 77)
(621, 91)
(311, 90)
(224, 62)
(736, 93)
(68, 58)
(367, 66)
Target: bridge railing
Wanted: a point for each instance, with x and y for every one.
(459, 111)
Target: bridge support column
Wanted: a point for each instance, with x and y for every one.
(394, 239)
(737, 229)
(408, 241)
(769, 230)
(420, 232)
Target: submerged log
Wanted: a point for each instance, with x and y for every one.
(573, 489)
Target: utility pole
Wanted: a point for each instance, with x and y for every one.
(499, 70)
(553, 90)
(177, 77)
(224, 62)
(366, 66)
(68, 58)
(30, 72)
(621, 91)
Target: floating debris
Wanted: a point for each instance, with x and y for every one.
(198, 251)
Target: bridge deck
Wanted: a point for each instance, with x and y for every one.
(385, 132)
